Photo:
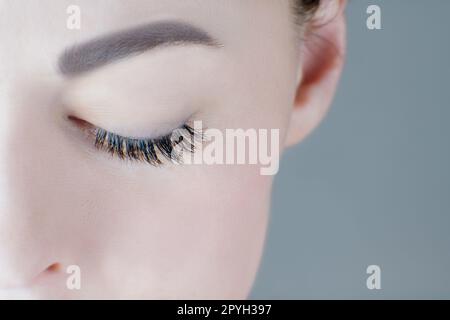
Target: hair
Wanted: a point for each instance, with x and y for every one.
(305, 9)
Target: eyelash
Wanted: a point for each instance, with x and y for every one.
(155, 152)
(152, 151)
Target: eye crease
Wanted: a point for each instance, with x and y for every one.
(154, 151)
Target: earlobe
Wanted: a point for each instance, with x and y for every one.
(323, 54)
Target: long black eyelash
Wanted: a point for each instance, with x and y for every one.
(149, 150)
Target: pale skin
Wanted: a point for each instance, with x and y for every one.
(136, 231)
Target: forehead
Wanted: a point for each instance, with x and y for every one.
(34, 33)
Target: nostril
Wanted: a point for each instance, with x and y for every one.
(46, 274)
(55, 267)
(21, 281)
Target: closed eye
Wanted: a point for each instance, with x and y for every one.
(154, 151)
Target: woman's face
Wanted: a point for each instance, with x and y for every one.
(133, 229)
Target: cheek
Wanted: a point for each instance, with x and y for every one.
(199, 234)
(170, 232)
(194, 231)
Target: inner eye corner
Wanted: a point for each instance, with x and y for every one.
(82, 124)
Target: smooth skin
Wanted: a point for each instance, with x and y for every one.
(137, 231)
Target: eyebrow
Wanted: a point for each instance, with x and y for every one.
(117, 46)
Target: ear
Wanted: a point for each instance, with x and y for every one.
(323, 53)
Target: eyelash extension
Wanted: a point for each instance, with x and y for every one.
(151, 151)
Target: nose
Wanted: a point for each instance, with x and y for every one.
(18, 278)
(27, 235)
(26, 248)
(18, 273)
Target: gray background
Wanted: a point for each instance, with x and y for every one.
(371, 186)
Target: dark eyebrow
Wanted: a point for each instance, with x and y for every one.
(104, 50)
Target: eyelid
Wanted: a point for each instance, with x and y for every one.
(150, 150)
(83, 125)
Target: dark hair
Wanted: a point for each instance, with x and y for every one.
(305, 9)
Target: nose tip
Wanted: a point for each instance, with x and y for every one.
(13, 279)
